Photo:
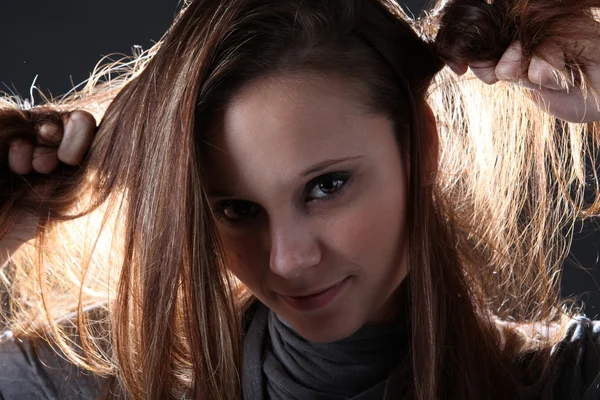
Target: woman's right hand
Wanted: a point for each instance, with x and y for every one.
(67, 143)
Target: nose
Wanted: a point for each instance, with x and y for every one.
(294, 248)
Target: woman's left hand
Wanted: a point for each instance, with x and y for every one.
(561, 99)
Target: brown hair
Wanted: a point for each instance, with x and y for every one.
(131, 229)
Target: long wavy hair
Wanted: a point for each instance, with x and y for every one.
(126, 275)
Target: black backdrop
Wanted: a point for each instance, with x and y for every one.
(61, 41)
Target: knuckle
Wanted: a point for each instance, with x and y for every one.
(507, 71)
(19, 160)
(42, 151)
(540, 73)
(44, 160)
(50, 133)
(83, 120)
(535, 75)
(510, 65)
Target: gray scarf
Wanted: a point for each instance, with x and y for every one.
(280, 364)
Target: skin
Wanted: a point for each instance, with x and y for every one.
(293, 238)
(553, 95)
(67, 144)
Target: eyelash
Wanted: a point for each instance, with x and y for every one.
(344, 177)
(219, 213)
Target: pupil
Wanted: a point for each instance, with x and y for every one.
(242, 207)
(329, 186)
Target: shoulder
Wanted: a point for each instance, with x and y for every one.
(572, 370)
(31, 369)
(575, 361)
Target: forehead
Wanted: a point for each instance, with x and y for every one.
(278, 126)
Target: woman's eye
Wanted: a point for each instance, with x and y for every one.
(326, 187)
(235, 210)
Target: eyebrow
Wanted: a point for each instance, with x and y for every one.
(326, 164)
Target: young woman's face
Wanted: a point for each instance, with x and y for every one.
(310, 192)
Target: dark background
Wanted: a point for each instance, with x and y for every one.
(61, 41)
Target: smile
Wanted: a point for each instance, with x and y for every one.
(317, 300)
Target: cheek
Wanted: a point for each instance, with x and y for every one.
(243, 258)
(370, 234)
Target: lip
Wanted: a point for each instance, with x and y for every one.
(317, 299)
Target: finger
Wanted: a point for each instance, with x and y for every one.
(49, 134)
(542, 74)
(484, 70)
(19, 156)
(510, 66)
(77, 137)
(45, 159)
(459, 68)
(569, 106)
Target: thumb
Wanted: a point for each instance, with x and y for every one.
(570, 106)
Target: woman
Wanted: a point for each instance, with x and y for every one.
(291, 199)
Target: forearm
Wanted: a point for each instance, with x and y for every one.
(20, 232)
(8, 247)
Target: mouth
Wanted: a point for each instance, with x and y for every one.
(317, 299)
